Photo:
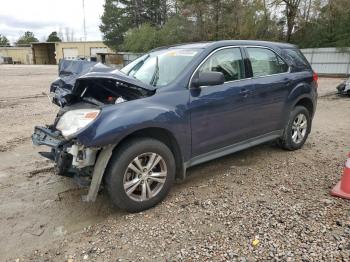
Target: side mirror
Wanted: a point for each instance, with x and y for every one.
(208, 79)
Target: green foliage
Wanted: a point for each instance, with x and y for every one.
(141, 39)
(122, 15)
(26, 39)
(331, 28)
(141, 25)
(4, 41)
(114, 24)
(176, 30)
(53, 37)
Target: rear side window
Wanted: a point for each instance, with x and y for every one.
(297, 59)
(227, 61)
(265, 62)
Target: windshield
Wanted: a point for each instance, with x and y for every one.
(160, 68)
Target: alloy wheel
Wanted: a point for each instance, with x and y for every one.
(299, 128)
(145, 176)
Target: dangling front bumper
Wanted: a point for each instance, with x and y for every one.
(86, 165)
(48, 137)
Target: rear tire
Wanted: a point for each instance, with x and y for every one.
(297, 129)
(140, 174)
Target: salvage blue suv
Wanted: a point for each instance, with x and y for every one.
(137, 130)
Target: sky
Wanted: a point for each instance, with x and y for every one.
(44, 16)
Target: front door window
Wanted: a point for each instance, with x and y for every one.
(228, 61)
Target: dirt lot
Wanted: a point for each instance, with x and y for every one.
(279, 199)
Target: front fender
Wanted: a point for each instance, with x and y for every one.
(118, 121)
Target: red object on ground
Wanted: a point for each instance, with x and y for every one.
(342, 189)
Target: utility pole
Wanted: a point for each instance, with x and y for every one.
(84, 24)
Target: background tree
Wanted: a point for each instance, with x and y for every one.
(115, 23)
(307, 23)
(121, 16)
(53, 37)
(176, 30)
(141, 39)
(328, 25)
(4, 41)
(26, 39)
(291, 13)
(69, 34)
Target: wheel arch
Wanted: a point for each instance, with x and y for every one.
(307, 103)
(166, 137)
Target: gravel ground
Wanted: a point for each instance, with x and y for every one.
(259, 204)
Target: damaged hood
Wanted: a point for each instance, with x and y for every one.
(73, 75)
(118, 76)
(70, 70)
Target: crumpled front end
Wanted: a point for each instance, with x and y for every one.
(68, 73)
(71, 159)
(85, 164)
(94, 83)
(82, 91)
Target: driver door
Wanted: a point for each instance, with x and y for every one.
(221, 114)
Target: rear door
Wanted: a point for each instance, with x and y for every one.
(221, 114)
(271, 80)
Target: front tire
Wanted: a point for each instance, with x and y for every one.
(297, 129)
(140, 174)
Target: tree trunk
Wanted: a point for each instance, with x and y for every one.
(291, 13)
(217, 15)
(266, 19)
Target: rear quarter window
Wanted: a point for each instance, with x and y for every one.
(296, 58)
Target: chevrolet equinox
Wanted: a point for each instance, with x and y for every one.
(137, 130)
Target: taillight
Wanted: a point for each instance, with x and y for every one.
(315, 78)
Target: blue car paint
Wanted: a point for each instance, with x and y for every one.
(158, 111)
(220, 116)
(204, 119)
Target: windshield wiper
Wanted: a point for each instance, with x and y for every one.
(155, 76)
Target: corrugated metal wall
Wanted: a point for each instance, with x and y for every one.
(329, 61)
